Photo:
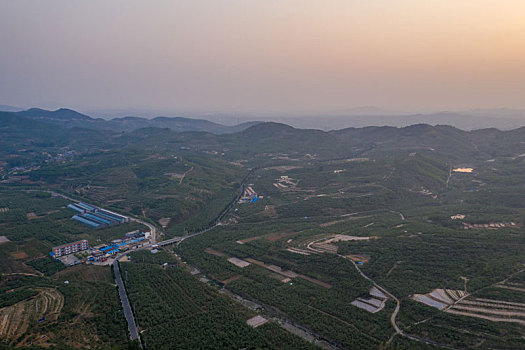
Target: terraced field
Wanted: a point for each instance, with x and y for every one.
(17, 319)
(460, 302)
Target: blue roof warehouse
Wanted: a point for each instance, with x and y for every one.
(96, 217)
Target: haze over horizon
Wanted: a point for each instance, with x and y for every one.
(263, 57)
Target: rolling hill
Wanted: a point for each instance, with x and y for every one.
(70, 118)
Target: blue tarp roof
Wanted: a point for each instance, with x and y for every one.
(134, 240)
(115, 247)
(86, 221)
(84, 205)
(97, 218)
(109, 216)
(115, 216)
(74, 207)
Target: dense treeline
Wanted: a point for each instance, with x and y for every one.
(13, 297)
(48, 266)
(178, 311)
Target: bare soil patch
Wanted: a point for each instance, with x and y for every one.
(271, 237)
(490, 226)
(316, 281)
(331, 223)
(174, 176)
(326, 244)
(31, 216)
(298, 251)
(276, 237)
(231, 279)
(269, 211)
(247, 240)
(214, 252)
(359, 257)
(519, 289)
(288, 273)
(238, 262)
(19, 255)
(463, 170)
(344, 238)
(164, 222)
(285, 183)
(323, 247)
(116, 200)
(485, 317)
(274, 268)
(284, 167)
(256, 321)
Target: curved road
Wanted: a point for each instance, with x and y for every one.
(128, 312)
(398, 306)
(216, 222)
(127, 307)
(151, 227)
(125, 301)
(396, 311)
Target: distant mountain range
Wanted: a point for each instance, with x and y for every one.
(502, 119)
(70, 118)
(22, 133)
(465, 120)
(6, 108)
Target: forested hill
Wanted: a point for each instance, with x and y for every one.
(20, 132)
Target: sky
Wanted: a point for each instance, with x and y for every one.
(271, 56)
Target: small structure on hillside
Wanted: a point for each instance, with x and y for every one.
(256, 321)
(457, 217)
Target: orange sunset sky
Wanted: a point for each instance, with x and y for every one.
(263, 56)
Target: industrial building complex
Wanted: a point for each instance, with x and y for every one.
(69, 248)
(131, 240)
(95, 217)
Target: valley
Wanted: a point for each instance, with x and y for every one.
(359, 238)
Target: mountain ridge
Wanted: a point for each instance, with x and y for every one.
(70, 118)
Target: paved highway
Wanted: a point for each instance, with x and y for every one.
(128, 313)
(118, 278)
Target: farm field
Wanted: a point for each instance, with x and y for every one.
(174, 309)
(47, 312)
(356, 238)
(398, 235)
(46, 305)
